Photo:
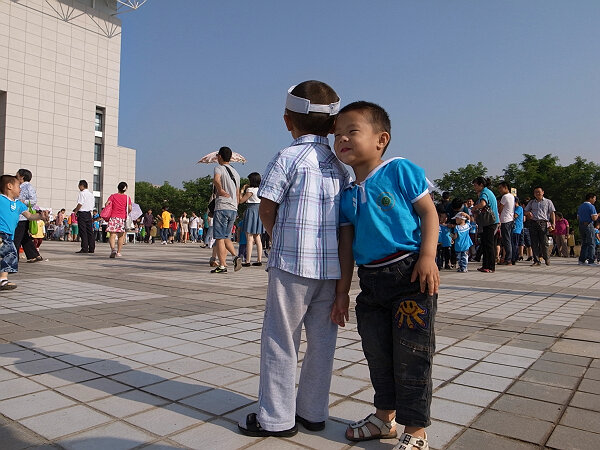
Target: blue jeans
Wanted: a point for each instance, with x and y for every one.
(193, 234)
(223, 223)
(164, 234)
(588, 244)
(396, 324)
(506, 236)
(517, 241)
(463, 259)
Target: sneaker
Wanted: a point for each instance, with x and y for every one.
(310, 426)
(409, 442)
(246, 264)
(529, 259)
(257, 264)
(581, 263)
(237, 263)
(219, 270)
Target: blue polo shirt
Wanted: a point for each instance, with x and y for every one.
(491, 201)
(585, 211)
(9, 214)
(518, 229)
(445, 237)
(381, 210)
(463, 242)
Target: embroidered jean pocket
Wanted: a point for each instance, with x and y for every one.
(413, 319)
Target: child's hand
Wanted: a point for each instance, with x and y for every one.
(429, 275)
(339, 310)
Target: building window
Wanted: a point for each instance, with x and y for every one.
(99, 121)
(97, 171)
(97, 204)
(97, 151)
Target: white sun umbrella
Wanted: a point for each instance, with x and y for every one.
(136, 211)
(212, 158)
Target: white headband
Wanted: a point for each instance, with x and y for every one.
(303, 106)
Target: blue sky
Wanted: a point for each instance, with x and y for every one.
(463, 81)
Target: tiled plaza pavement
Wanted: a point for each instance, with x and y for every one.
(152, 350)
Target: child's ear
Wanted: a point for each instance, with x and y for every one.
(384, 138)
(288, 123)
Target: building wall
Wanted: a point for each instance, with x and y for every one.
(59, 62)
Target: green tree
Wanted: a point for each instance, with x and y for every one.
(458, 182)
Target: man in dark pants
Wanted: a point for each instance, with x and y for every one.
(147, 221)
(540, 211)
(85, 205)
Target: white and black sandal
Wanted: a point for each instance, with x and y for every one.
(385, 429)
(6, 285)
(409, 442)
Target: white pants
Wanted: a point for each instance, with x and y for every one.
(291, 302)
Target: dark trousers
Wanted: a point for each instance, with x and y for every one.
(86, 231)
(539, 239)
(588, 244)
(517, 241)
(147, 237)
(506, 239)
(396, 324)
(487, 246)
(443, 257)
(22, 238)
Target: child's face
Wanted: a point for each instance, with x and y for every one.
(13, 190)
(443, 218)
(356, 142)
(460, 221)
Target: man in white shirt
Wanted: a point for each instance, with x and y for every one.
(506, 209)
(84, 208)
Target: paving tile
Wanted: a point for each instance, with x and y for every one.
(16, 437)
(64, 377)
(114, 436)
(558, 368)
(168, 419)
(498, 370)
(18, 386)
(591, 386)
(177, 388)
(582, 419)
(65, 421)
(528, 407)
(484, 381)
(185, 366)
(507, 424)
(218, 401)
(32, 404)
(144, 377)
(466, 394)
(440, 433)
(509, 360)
(564, 437)
(593, 373)
(216, 435)
(566, 359)
(453, 412)
(552, 379)
(127, 403)
(332, 437)
(473, 439)
(350, 411)
(541, 392)
(219, 376)
(452, 361)
(93, 389)
(586, 400)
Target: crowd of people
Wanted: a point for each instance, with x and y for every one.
(318, 219)
(503, 229)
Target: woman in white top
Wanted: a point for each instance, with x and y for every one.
(184, 222)
(253, 227)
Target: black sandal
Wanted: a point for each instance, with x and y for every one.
(6, 285)
(254, 429)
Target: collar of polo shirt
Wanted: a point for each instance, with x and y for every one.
(303, 105)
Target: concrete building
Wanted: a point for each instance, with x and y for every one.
(59, 97)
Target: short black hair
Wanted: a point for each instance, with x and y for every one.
(83, 183)
(590, 195)
(225, 153)
(481, 181)
(254, 179)
(314, 123)
(5, 180)
(26, 174)
(504, 184)
(375, 114)
(122, 187)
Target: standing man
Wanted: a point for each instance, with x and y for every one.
(540, 211)
(506, 208)
(84, 208)
(227, 186)
(147, 221)
(586, 213)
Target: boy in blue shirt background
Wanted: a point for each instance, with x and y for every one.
(445, 242)
(389, 225)
(462, 240)
(10, 209)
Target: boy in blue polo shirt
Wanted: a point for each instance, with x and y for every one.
(10, 209)
(389, 225)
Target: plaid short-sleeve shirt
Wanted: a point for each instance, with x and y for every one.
(306, 180)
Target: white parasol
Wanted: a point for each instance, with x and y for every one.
(136, 211)
(212, 158)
